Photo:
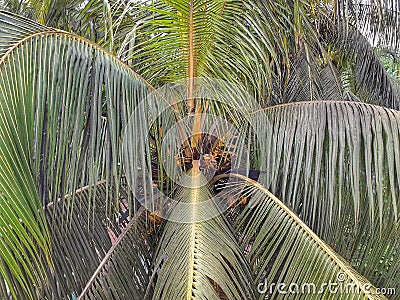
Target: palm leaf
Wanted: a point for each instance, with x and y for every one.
(377, 20)
(124, 271)
(283, 249)
(14, 29)
(200, 252)
(372, 82)
(218, 39)
(81, 241)
(58, 13)
(53, 87)
(336, 165)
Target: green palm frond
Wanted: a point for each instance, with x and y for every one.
(176, 34)
(56, 13)
(14, 28)
(309, 79)
(283, 249)
(201, 253)
(230, 40)
(372, 82)
(348, 143)
(377, 20)
(53, 87)
(336, 164)
(126, 267)
(85, 234)
(86, 142)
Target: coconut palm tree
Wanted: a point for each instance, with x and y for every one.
(199, 150)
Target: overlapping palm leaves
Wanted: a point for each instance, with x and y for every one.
(65, 103)
(53, 90)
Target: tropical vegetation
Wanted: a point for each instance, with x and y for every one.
(200, 149)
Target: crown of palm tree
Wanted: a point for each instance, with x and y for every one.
(198, 150)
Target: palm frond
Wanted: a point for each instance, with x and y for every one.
(14, 29)
(124, 271)
(309, 79)
(200, 252)
(232, 40)
(377, 20)
(58, 13)
(336, 164)
(372, 82)
(80, 241)
(53, 88)
(173, 39)
(283, 249)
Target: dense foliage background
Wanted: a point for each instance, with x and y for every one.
(88, 93)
